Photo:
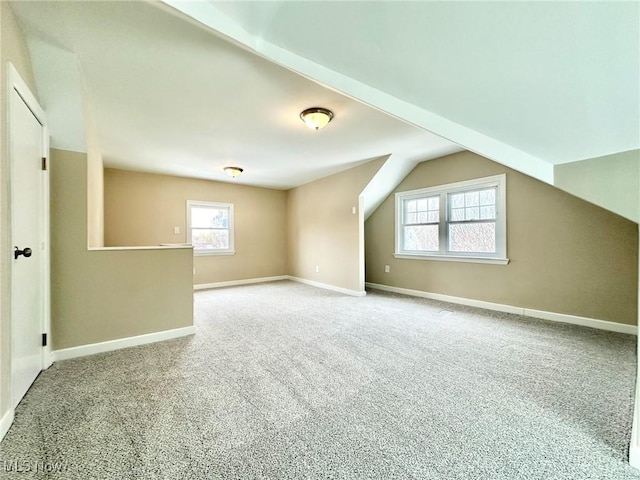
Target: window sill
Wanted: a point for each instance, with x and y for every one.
(205, 253)
(453, 258)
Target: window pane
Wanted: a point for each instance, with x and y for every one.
(471, 199)
(422, 237)
(457, 214)
(207, 217)
(472, 213)
(419, 211)
(472, 237)
(210, 239)
(488, 213)
(488, 197)
(472, 206)
(457, 200)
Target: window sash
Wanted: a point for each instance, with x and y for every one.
(473, 205)
(487, 195)
(220, 222)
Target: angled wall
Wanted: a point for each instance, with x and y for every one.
(324, 234)
(612, 182)
(566, 255)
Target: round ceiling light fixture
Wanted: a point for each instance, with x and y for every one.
(316, 117)
(233, 171)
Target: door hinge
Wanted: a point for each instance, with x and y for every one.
(44, 339)
(44, 163)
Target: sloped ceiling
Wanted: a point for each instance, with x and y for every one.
(528, 84)
(169, 96)
(187, 87)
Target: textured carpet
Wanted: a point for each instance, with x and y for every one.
(283, 380)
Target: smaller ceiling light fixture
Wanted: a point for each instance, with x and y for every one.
(233, 171)
(316, 117)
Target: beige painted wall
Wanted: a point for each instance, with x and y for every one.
(14, 49)
(143, 209)
(612, 182)
(322, 230)
(567, 255)
(103, 295)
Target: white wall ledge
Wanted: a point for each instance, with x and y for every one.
(453, 258)
(177, 246)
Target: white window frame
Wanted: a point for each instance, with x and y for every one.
(218, 206)
(499, 257)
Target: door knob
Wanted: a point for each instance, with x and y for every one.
(17, 252)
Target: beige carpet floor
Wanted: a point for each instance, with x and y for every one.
(284, 380)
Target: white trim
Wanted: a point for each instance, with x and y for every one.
(14, 80)
(448, 298)
(634, 446)
(6, 422)
(166, 246)
(528, 312)
(634, 450)
(453, 258)
(232, 283)
(230, 227)
(46, 353)
(326, 286)
(583, 321)
(442, 192)
(212, 252)
(93, 348)
(16, 83)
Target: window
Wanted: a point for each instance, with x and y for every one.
(464, 221)
(210, 227)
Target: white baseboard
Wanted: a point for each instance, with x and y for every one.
(206, 286)
(634, 446)
(84, 350)
(583, 321)
(448, 298)
(6, 422)
(634, 456)
(556, 317)
(326, 286)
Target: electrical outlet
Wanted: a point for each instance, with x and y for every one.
(176, 230)
(387, 269)
(317, 268)
(354, 210)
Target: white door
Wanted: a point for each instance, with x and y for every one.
(28, 232)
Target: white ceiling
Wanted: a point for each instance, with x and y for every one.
(193, 86)
(168, 96)
(536, 75)
(528, 84)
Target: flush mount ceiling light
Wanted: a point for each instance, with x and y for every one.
(233, 171)
(316, 118)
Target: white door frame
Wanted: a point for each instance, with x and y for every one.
(16, 83)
